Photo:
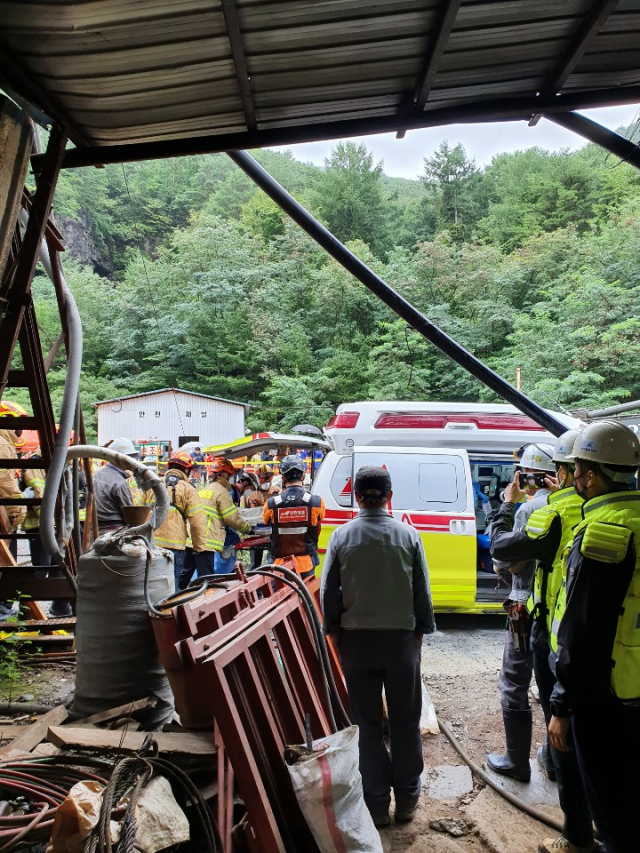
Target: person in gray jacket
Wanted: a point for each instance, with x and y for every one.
(377, 606)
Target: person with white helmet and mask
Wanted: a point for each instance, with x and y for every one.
(545, 537)
(111, 489)
(597, 694)
(535, 464)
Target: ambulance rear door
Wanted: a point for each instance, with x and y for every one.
(432, 491)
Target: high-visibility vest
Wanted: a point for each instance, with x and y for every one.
(566, 505)
(611, 523)
(292, 533)
(33, 480)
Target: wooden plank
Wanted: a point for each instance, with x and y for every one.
(34, 733)
(119, 711)
(60, 623)
(46, 749)
(8, 732)
(188, 743)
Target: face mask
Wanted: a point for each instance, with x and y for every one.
(580, 490)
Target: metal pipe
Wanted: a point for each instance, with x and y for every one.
(391, 297)
(150, 479)
(610, 410)
(623, 148)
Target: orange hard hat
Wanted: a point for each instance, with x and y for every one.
(222, 466)
(182, 459)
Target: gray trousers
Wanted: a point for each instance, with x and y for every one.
(372, 660)
(515, 676)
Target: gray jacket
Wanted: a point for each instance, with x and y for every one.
(522, 573)
(375, 577)
(111, 492)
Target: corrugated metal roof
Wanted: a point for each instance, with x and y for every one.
(172, 391)
(118, 72)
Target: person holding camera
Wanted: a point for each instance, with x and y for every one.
(535, 464)
(547, 534)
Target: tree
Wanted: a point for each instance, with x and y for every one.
(350, 199)
(456, 181)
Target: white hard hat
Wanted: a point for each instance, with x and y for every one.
(608, 443)
(564, 446)
(124, 445)
(538, 457)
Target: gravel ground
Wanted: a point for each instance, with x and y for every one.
(460, 666)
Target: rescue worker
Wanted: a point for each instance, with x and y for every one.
(9, 488)
(295, 518)
(185, 520)
(597, 693)
(224, 522)
(250, 495)
(111, 489)
(548, 531)
(517, 661)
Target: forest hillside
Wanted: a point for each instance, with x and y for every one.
(187, 275)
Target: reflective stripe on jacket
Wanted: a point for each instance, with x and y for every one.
(598, 657)
(220, 512)
(295, 517)
(8, 482)
(33, 478)
(185, 519)
(566, 505)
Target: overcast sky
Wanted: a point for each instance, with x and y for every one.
(403, 157)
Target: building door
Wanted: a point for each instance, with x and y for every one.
(185, 439)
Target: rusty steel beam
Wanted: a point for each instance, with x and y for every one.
(16, 289)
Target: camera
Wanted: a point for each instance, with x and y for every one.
(531, 479)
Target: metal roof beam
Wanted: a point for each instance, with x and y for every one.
(446, 18)
(602, 136)
(503, 109)
(592, 24)
(239, 60)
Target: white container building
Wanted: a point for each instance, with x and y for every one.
(173, 415)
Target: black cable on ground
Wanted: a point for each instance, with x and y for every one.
(538, 814)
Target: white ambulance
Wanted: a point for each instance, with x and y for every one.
(449, 463)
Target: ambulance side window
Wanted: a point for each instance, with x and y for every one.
(341, 482)
(422, 482)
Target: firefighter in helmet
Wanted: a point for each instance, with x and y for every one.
(295, 518)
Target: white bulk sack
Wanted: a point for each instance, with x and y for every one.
(328, 788)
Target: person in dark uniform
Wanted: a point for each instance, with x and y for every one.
(295, 518)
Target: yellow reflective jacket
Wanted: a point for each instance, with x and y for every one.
(33, 478)
(220, 512)
(8, 482)
(185, 519)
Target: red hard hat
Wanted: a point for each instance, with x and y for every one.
(221, 465)
(182, 459)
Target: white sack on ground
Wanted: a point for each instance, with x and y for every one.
(328, 788)
(428, 720)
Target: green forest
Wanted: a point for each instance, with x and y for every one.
(186, 275)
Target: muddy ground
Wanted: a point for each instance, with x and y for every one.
(460, 668)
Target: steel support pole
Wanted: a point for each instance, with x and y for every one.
(390, 297)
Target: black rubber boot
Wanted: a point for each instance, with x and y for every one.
(518, 726)
(545, 761)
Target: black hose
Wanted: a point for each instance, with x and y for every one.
(321, 643)
(538, 814)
